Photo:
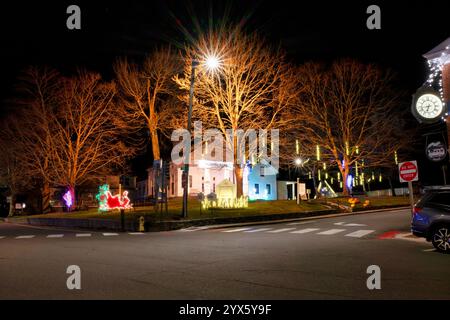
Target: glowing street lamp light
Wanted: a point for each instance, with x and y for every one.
(212, 63)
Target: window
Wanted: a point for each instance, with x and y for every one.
(190, 181)
(203, 187)
(256, 188)
(441, 199)
(261, 171)
(268, 188)
(214, 187)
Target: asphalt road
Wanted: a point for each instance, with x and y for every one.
(316, 259)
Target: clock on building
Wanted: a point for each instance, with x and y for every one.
(427, 105)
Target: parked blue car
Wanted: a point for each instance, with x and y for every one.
(431, 217)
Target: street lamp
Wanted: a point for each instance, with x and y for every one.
(211, 63)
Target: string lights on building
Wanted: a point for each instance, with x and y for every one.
(435, 67)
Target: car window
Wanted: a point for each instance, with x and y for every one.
(441, 199)
(423, 200)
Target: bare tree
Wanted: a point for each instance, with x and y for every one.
(146, 90)
(80, 139)
(352, 112)
(36, 104)
(14, 171)
(251, 88)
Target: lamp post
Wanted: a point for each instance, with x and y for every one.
(185, 177)
(211, 63)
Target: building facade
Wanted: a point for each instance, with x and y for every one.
(205, 175)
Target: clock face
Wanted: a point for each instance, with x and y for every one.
(429, 106)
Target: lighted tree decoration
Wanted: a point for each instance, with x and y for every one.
(353, 112)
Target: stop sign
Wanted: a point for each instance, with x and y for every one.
(408, 171)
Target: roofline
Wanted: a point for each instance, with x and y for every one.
(442, 49)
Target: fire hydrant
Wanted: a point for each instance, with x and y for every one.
(141, 224)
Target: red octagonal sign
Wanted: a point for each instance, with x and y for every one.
(408, 171)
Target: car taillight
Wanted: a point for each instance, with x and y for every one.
(416, 211)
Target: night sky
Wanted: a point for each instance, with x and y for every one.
(35, 33)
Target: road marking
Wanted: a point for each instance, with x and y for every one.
(305, 230)
(429, 250)
(136, 233)
(191, 229)
(280, 230)
(258, 230)
(2, 237)
(110, 234)
(359, 233)
(297, 223)
(25, 237)
(388, 235)
(55, 236)
(331, 231)
(237, 230)
(81, 235)
(409, 237)
(350, 224)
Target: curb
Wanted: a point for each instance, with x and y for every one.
(212, 223)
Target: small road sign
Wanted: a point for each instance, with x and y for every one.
(408, 171)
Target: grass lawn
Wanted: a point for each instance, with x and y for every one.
(175, 205)
(254, 208)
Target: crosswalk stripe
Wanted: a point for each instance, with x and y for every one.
(2, 237)
(303, 222)
(110, 234)
(55, 236)
(343, 224)
(25, 237)
(305, 230)
(280, 230)
(237, 230)
(192, 229)
(81, 235)
(136, 233)
(359, 233)
(258, 230)
(331, 231)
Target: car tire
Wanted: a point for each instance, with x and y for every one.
(440, 238)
